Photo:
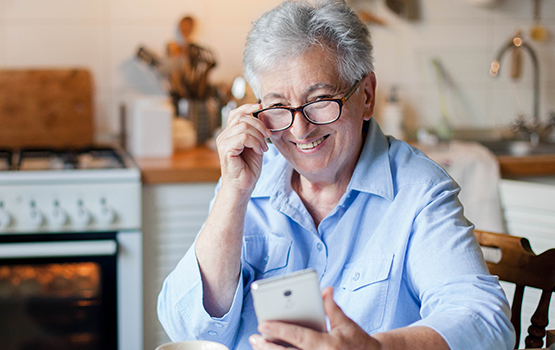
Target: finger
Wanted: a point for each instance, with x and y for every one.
(300, 337)
(241, 137)
(241, 111)
(259, 343)
(244, 114)
(245, 124)
(334, 312)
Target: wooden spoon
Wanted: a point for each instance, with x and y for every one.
(538, 32)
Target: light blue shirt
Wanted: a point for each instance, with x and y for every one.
(396, 248)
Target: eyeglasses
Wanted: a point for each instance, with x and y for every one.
(319, 112)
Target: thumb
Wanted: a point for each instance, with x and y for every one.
(334, 312)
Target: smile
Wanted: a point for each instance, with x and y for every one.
(311, 145)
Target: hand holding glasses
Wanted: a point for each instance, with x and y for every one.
(319, 112)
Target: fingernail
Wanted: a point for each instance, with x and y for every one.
(252, 340)
(263, 327)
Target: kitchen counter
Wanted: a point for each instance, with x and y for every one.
(202, 164)
(534, 165)
(199, 164)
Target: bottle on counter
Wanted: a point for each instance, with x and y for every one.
(392, 122)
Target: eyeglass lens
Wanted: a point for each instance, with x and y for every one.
(319, 112)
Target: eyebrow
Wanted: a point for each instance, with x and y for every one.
(307, 91)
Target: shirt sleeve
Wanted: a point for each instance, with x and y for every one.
(181, 310)
(446, 271)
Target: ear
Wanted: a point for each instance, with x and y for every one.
(368, 85)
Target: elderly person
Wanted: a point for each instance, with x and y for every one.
(377, 220)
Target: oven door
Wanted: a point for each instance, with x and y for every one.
(58, 291)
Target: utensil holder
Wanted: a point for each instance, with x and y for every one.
(205, 117)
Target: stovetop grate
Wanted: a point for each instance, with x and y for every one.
(5, 159)
(61, 159)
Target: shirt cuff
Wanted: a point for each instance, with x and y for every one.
(464, 329)
(189, 320)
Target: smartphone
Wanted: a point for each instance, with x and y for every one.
(293, 298)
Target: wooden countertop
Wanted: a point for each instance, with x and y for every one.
(534, 165)
(202, 165)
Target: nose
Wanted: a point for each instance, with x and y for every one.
(301, 127)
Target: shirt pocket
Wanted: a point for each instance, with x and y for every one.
(267, 254)
(365, 284)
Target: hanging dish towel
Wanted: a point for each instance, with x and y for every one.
(476, 170)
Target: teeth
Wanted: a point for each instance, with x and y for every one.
(307, 146)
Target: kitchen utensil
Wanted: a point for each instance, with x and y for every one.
(163, 68)
(397, 6)
(538, 32)
(516, 63)
(408, 9)
(202, 61)
(193, 345)
(369, 17)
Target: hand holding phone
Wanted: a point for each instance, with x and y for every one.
(293, 298)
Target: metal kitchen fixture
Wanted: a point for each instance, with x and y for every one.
(516, 43)
(70, 250)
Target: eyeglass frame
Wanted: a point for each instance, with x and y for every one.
(341, 101)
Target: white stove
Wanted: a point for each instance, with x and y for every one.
(66, 212)
(68, 190)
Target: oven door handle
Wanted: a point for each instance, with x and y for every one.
(57, 249)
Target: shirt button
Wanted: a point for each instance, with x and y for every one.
(212, 333)
(356, 276)
(266, 258)
(219, 325)
(320, 246)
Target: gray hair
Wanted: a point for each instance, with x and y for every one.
(295, 27)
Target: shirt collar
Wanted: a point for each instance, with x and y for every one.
(372, 173)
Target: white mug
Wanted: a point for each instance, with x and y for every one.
(193, 345)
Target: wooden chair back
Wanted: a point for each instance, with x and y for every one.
(521, 266)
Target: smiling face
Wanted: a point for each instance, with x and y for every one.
(320, 153)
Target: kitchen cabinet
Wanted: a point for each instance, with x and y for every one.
(173, 214)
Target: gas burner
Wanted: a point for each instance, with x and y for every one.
(69, 159)
(99, 158)
(5, 159)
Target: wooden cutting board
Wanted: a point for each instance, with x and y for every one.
(46, 108)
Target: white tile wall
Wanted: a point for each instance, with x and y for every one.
(104, 35)
(61, 10)
(57, 45)
(2, 36)
(148, 11)
(511, 9)
(454, 10)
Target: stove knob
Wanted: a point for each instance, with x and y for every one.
(57, 217)
(35, 217)
(82, 217)
(106, 216)
(5, 218)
